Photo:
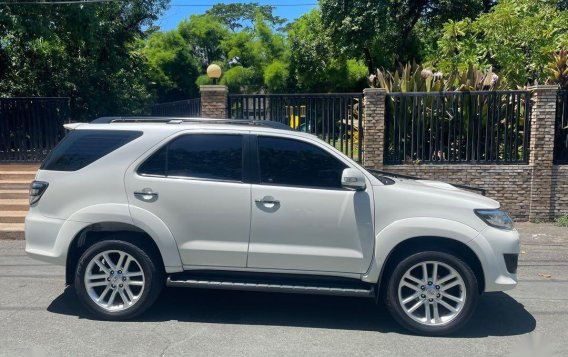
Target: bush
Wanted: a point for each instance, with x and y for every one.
(276, 77)
(203, 80)
(562, 221)
(239, 78)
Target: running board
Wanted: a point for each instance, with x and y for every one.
(268, 287)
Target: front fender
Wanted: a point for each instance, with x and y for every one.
(121, 213)
(393, 234)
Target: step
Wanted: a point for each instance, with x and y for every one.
(21, 194)
(14, 204)
(11, 227)
(11, 231)
(17, 175)
(272, 287)
(15, 184)
(19, 167)
(12, 216)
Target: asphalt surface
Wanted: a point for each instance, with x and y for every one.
(39, 316)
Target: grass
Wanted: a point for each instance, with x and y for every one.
(562, 221)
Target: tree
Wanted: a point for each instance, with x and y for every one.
(205, 34)
(276, 77)
(254, 50)
(90, 53)
(172, 68)
(382, 32)
(516, 38)
(315, 65)
(236, 16)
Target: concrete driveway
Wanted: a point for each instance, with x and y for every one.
(39, 316)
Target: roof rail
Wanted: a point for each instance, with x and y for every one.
(178, 120)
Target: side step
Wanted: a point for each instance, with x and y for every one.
(366, 290)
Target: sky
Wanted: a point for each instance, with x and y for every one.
(171, 18)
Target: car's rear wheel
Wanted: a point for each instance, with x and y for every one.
(432, 293)
(117, 280)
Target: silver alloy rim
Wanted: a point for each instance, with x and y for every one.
(432, 293)
(114, 280)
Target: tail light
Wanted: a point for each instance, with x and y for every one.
(37, 188)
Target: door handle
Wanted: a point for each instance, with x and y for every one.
(267, 200)
(146, 194)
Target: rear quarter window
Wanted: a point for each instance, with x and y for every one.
(83, 147)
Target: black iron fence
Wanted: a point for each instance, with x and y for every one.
(561, 129)
(457, 127)
(335, 118)
(31, 127)
(181, 108)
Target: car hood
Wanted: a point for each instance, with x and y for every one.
(424, 198)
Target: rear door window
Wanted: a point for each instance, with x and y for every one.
(80, 148)
(203, 156)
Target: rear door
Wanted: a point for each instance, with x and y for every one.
(302, 219)
(195, 184)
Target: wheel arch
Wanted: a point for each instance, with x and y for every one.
(102, 231)
(407, 236)
(424, 243)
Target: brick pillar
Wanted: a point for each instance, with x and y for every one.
(541, 151)
(374, 128)
(214, 101)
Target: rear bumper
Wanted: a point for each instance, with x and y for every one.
(41, 238)
(498, 252)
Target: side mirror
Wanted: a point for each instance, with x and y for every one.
(353, 179)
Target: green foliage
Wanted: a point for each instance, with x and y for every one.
(203, 80)
(417, 78)
(205, 34)
(240, 79)
(559, 69)
(235, 15)
(276, 77)
(172, 67)
(314, 64)
(90, 53)
(516, 38)
(562, 221)
(384, 32)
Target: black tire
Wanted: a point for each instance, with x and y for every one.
(154, 280)
(395, 307)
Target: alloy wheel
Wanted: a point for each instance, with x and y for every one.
(114, 280)
(432, 293)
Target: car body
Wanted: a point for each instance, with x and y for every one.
(246, 205)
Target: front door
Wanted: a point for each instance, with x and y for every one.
(302, 219)
(195, 185)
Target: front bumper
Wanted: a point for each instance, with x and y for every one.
(498, 251)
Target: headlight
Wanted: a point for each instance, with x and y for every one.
(495, 218)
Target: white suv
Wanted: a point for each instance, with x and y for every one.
(129, 205)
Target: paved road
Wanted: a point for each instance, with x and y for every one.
(39, 316)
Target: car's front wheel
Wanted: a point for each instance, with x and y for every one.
(117, 280)
(432, 293)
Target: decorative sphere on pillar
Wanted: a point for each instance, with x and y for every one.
(214, 72)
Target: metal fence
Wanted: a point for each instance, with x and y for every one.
(457, 127)
(31, 127)
(561, 129)
(181, 108)
(335, 118)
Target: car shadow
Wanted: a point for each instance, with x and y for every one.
(497, 315)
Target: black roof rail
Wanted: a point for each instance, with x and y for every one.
(178, 120)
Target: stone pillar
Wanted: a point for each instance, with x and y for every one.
(374, 128)
(214, 101)
(541, 152)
